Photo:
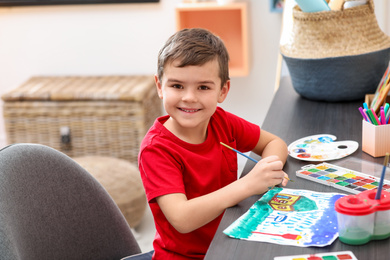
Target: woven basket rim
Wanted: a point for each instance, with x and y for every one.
(327, 34)
(83, 88)
(324, 15)
(335, 57)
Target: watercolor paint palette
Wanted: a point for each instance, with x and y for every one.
(321, 148)
(342, 255)
(341, 178)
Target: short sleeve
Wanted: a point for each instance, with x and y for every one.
(161, 173)
(244, 132)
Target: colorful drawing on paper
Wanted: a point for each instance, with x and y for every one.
(341, 255)
(289, 217)
(341, 178)
(321, 148)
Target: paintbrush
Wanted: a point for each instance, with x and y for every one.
(250, 158)
(379, 191)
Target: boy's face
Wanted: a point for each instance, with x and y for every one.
(190, 96)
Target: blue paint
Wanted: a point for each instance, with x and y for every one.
(326, 226)
(325, 139)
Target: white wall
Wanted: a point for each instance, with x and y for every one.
(382, 11)
(124, 39)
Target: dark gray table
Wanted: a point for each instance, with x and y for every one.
(291, 118)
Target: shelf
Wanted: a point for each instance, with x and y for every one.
(228, 21)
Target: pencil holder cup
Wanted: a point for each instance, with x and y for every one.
(375, 139)
(361, 218)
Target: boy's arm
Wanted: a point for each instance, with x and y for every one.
(187, 215)
(270, 144)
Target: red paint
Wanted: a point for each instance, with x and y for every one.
(386, 186)
(285, 236)
(313, 257)
(344, 257)
(367, 181)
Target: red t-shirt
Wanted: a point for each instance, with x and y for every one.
(169, 165)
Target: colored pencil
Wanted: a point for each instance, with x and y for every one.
(373, 116)
(368, 116)
(250, 158)
(363, 114)
(379, 191)
(386, 107)
(383, 118)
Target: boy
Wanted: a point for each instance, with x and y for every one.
(188, 176)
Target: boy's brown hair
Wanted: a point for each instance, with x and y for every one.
(194, 47)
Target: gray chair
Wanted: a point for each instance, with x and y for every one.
(51, 208)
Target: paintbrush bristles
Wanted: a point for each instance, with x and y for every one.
(386, 159)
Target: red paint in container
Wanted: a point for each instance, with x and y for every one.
(362, 218)
(355, 220)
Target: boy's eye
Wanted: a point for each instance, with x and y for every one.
(204, 87)
(177, 86)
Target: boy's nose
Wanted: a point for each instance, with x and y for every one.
(190, 96)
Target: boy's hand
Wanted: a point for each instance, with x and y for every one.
(267, 173)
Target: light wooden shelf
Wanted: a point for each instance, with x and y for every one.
(228, 22)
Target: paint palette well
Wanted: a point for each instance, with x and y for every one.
(341, 178)
(321, 148)
(342, 255)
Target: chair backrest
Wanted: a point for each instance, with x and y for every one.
(51, 208)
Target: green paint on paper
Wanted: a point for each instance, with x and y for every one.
(261, 210)
(256, 214)
(305, 204)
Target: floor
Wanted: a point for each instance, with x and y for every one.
(144, 232)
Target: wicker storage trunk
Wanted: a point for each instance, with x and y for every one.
(79, 116)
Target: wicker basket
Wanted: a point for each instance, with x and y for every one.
(97, 115)
(336, 55)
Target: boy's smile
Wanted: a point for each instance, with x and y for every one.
(190, 96)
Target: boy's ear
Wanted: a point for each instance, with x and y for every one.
(224, 91)
(158, 86)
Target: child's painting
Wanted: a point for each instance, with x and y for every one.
(289, 217)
